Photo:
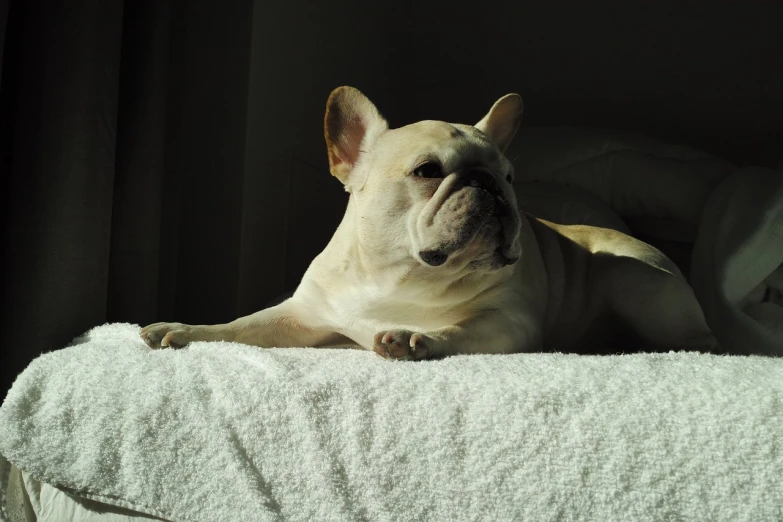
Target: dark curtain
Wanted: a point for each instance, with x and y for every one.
(163, 160)
(124, 131)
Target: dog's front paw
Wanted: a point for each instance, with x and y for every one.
(170, 335)
(401, 344)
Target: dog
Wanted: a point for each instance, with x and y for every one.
(433, 258)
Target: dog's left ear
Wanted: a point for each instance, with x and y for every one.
(502, 121)
(351, 126)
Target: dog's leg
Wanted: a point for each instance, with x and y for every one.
(489, 332)
(281, 326)
(658, 304)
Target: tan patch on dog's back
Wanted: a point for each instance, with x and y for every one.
(597, 240)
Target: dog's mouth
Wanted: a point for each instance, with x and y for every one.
(509, 223)
(489, 221)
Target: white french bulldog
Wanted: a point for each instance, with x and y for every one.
(433, 258)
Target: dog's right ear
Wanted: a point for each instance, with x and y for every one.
(351, 126)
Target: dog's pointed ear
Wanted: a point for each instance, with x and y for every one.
(502, 121)
(351, 126)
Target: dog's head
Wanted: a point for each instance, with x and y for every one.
(436, 192)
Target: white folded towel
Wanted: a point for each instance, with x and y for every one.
(225, 432)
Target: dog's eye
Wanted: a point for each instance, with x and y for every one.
(509, 178)
(428, 170)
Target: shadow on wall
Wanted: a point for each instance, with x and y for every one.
(666, 69)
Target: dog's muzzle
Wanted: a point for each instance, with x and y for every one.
(510, 225)
(494, 202)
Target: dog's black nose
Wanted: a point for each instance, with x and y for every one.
(480, 178)
(433, 257)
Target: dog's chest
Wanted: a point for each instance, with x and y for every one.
(377, 306)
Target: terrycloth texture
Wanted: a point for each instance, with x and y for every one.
(732, 217)
(225, 432)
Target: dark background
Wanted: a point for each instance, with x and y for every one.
(164, 160)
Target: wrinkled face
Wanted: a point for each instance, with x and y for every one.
(433, 193)
(442, 192)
